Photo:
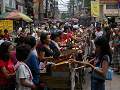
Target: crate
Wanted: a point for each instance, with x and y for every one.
(59, 79)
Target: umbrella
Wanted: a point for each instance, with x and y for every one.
(16, 15)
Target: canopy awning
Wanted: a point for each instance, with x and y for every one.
(16, 15)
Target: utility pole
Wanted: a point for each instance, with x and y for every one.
(72, 11)
(70, 8)
(46, 10)
(39, 11)
(83, 3)
(54, 9)
(73, 8)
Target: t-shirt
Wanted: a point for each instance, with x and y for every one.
(23, 71)
(98, 64)
(55, 48)
(9, 67)
(48, 52)
(33, 64)
(98, 34)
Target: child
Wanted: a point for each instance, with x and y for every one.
(23, 74)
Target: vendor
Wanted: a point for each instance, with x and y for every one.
(44, 52)
(54, 45)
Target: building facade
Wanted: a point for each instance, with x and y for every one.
(7, 5)
(109, 8)
(78, 8)
(20, 6)
(45, 9)
(10, 5)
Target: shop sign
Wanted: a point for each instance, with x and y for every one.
(6, 24)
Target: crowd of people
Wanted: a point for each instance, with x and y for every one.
(25, 54)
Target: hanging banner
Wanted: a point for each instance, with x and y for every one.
(6, 24)
(95, 9)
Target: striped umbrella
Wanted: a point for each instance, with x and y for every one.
(16, 15)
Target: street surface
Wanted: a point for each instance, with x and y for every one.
(110, 85)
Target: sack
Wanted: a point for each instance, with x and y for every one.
(109, 75)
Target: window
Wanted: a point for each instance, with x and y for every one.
(7, 3)
(10, 3)
(112, 6)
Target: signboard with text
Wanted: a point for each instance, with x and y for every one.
(6, 24)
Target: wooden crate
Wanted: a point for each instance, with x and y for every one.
(59, 79)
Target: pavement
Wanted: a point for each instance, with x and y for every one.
(110, 85)
(114, 84)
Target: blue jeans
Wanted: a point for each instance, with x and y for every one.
(97, 85)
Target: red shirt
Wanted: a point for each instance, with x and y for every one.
(6, 36)
(9, 67)
(66, 37)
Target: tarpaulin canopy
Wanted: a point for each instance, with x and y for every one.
(16, 15)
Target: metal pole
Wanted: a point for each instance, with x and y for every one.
(39, 16)
(73, 7)
(46, 11)
(83, 5)
(54, 10)
(70, 10)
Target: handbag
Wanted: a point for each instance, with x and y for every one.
(109, 74)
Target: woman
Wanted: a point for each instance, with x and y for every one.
(54, 45)
(7, 71)
(101, 61)
(43, 49)
(44, 52)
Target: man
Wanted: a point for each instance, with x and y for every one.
(32, 60)
(98, 32)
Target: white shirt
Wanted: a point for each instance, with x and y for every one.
(1, 41)
(98, 34)
(35, 52)
(23, 71)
